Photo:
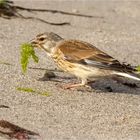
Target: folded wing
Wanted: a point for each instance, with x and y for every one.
(87, 54)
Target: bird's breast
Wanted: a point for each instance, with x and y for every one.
(63, 64)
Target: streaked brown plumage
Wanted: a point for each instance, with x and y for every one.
(82, 59)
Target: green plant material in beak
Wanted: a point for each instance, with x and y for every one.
(27, 51)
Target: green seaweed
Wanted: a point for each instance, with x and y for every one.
(45, 94)
(25, 89)
(32, 91)
(6, 3)
(27, 51)
(3, 2)
(138, 68)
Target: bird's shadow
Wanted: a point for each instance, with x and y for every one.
(101, 86)
(111, 86)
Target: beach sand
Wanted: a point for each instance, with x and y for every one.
(82, 114)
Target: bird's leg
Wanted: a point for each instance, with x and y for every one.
(69, 86)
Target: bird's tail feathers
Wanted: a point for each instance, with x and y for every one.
(129, 75)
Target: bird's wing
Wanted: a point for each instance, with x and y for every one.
(87, 54)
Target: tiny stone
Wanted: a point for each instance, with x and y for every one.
(75, 11)
(109, 89)
(48, 75)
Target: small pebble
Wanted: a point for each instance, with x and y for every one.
(48, 75)
(109, 89)
(75, 11)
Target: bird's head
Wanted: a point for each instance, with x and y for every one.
(46, 41)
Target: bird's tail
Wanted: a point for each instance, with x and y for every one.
(134, 76)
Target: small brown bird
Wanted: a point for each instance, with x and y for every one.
(82, 59)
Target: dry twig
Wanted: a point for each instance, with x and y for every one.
(13, 131)
(9, 10)
(56, 11)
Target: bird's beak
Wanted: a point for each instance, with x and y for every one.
(34, 43)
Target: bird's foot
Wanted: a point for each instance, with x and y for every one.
(72, 86)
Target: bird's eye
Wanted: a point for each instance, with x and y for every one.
(41, 39)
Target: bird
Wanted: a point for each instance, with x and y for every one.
(82, 59)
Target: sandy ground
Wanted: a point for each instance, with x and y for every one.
(83, 114)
